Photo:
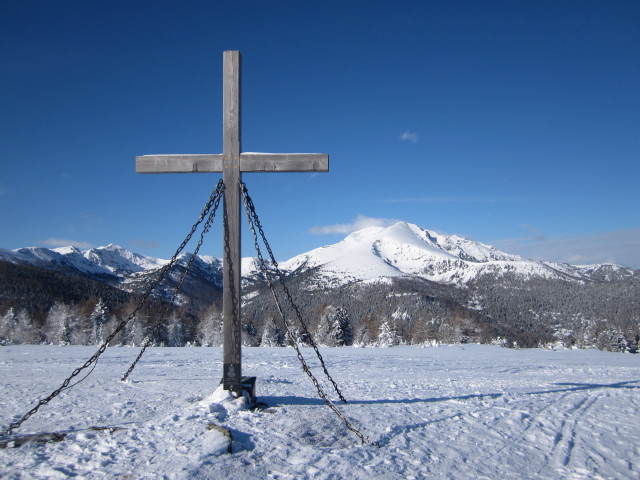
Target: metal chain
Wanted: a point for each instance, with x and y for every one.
(161, 274)
(207, 226)
(251, 208)
(253, 219)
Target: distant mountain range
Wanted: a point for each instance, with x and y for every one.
(368, 255)
(111, 260)
(497, 292)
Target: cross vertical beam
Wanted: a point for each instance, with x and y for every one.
(232, 327)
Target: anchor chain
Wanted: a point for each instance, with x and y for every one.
(251, 213)
(94, 358)
(254, 222)
(207, 226)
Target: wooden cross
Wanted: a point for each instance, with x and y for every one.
(232, 163)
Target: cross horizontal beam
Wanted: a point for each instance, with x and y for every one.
(249, 162)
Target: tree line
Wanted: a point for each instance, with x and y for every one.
(43, 306)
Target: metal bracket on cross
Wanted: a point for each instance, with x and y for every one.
(232, 163)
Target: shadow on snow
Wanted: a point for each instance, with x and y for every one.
(569, 387)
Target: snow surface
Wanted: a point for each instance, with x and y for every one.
(452, 412)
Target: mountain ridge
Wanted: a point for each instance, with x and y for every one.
(373, 253)
(406, 250)
(424, 285)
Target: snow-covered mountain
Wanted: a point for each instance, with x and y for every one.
(431, 286)
(370, 254)
(110, 260)
(116, 259)
(406, 250)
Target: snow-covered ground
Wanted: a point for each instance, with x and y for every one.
(476, 412)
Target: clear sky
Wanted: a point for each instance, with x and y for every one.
(512, 123)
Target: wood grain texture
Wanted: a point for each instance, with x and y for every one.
(284, 162)
(249, 162)
(179, 163)
(232, 326)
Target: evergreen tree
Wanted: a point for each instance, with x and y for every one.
(301, 338)
(272, 335)
(57, 325)
(334, 328)
(98, 319)
(362, 338)
(135, 331)
(8, 323)
(323, 330)
(341, 332)
(175, 334)
(612, 340)
(249, 335)
(209, 331)
(387, 336)
(17, 328)
(26, 333)
(78, 327)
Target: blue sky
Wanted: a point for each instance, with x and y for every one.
(512, 123)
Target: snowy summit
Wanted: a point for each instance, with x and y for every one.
(405, 250)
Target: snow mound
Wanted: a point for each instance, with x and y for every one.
(224, 399)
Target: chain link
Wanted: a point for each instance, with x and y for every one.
(161, 274)
(207, 226)
(254, 222)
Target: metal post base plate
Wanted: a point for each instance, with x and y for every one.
(249, 386)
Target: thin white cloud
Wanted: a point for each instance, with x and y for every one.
(360, 222)
(619, 247)
(62, 242)
(409, 136)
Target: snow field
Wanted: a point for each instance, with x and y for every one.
(452, 412)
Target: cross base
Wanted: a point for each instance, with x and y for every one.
(249, 386)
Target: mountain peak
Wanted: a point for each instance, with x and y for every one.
(113, 247)
(116, 259)
(69, 250)
(374, 253)
(405, 250)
